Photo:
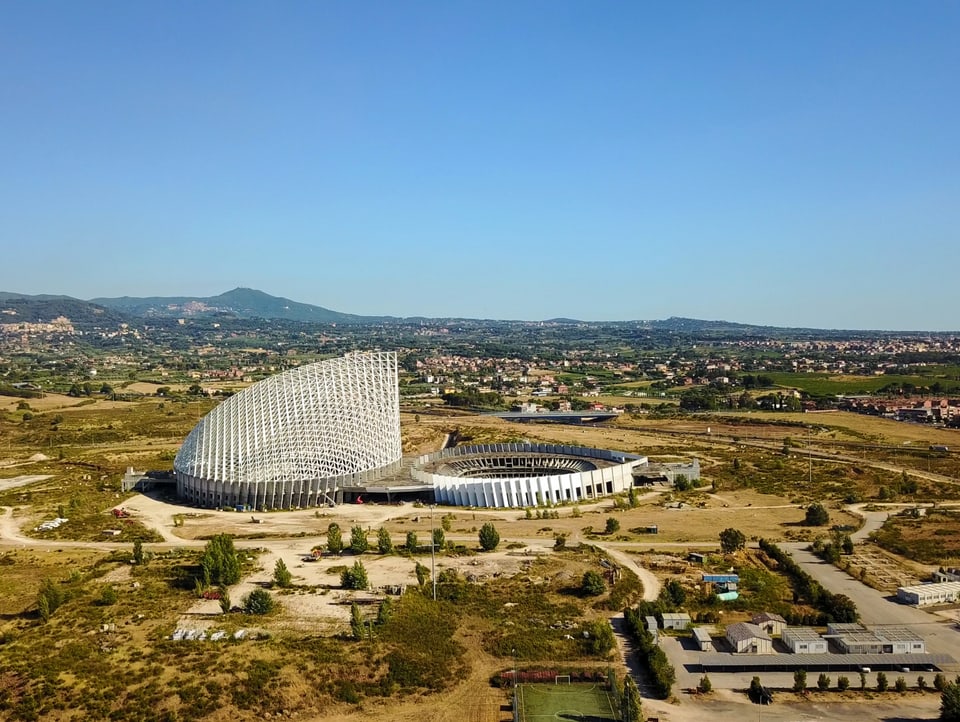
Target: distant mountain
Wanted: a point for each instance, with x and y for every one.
(21, 308)
(245, 303)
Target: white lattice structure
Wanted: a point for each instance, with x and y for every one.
(293, 439)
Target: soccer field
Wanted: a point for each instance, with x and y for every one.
(542, 702)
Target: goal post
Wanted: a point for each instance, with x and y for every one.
(562, 679)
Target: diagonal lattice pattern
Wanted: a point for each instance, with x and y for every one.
(294, 438)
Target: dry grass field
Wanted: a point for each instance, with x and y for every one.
(306, 665)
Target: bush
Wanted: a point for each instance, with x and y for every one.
(843, 683)
(355, 577)
(882, 684)
(384, 542)
(817, 515)
(732, 540)
(613, 525)
(705, 684)
(593, 584)
(823, 682)
(900, 685)
(412, 542)
(259, 601)
(800, 681)
(334, 538)
(358, 540)
(108, 596)
(281, 575)
(489, 537)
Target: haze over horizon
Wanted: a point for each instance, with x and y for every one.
(776, 165)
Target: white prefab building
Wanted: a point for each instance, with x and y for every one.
(702, 639)
(748, 638)
(803, 640)
(924, 595)
(900, 640)
(676, 620)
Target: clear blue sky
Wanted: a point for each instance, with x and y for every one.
(790, 164)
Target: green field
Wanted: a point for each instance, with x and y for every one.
(825, 384)
(542, 702)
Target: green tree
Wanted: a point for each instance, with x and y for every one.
(817, 515)
(355, 577)
(847, 545)
(882, 684)
(823, 682)
(446, 522)
(281, 575)
(732, 540)
(630, 701)
(358, 540)
(705, 684)
(613, 525)
(225, 604)
(219, 563)
(900, 685)
(259, 601)
(438, 539)
(412, 543)
(843, 683)
(356, 621)
(800, 681)
(138, 552)
(940, 682)
(384, 542)
(950, 702)
(334, 538)
(489, 537)
(756, 689)
(599, 638)
(385, 612)
(593, 584)
(674, 593)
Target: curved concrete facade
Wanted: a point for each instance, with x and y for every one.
(521, 491)
(293, 439)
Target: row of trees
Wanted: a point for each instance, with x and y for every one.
(662, 673)
(489, 539)
(834, 607)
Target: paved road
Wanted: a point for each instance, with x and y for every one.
(876, 609)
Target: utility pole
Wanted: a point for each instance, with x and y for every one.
(433, 554)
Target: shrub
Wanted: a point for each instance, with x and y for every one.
(843, 683)
(705, 684)
(355, 577)
(334, 538)
(817, 515)
(800, 681)
(384, 542)
(108, 596)
(412, 542)
(489, 537)
(281, 575)
(732, 540)
(358, 540)
(613, 525)
(900, 685)
(259, 601)
(823, 682)
(882, 684)
(593, 584)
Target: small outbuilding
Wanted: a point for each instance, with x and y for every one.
(702, 639)
(772, 624)
(651, 623)
(676, 620)
(748, 638)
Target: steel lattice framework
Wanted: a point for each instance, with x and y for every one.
(294, 438)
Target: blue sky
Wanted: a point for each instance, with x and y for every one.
(758, 162)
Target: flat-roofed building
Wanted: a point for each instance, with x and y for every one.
(861, 642)
(702, 639)
(803, 640)
(651, 623)
(900, 640)
(925, 595)
(748, 638)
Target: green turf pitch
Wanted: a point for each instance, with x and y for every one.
(573, 702)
